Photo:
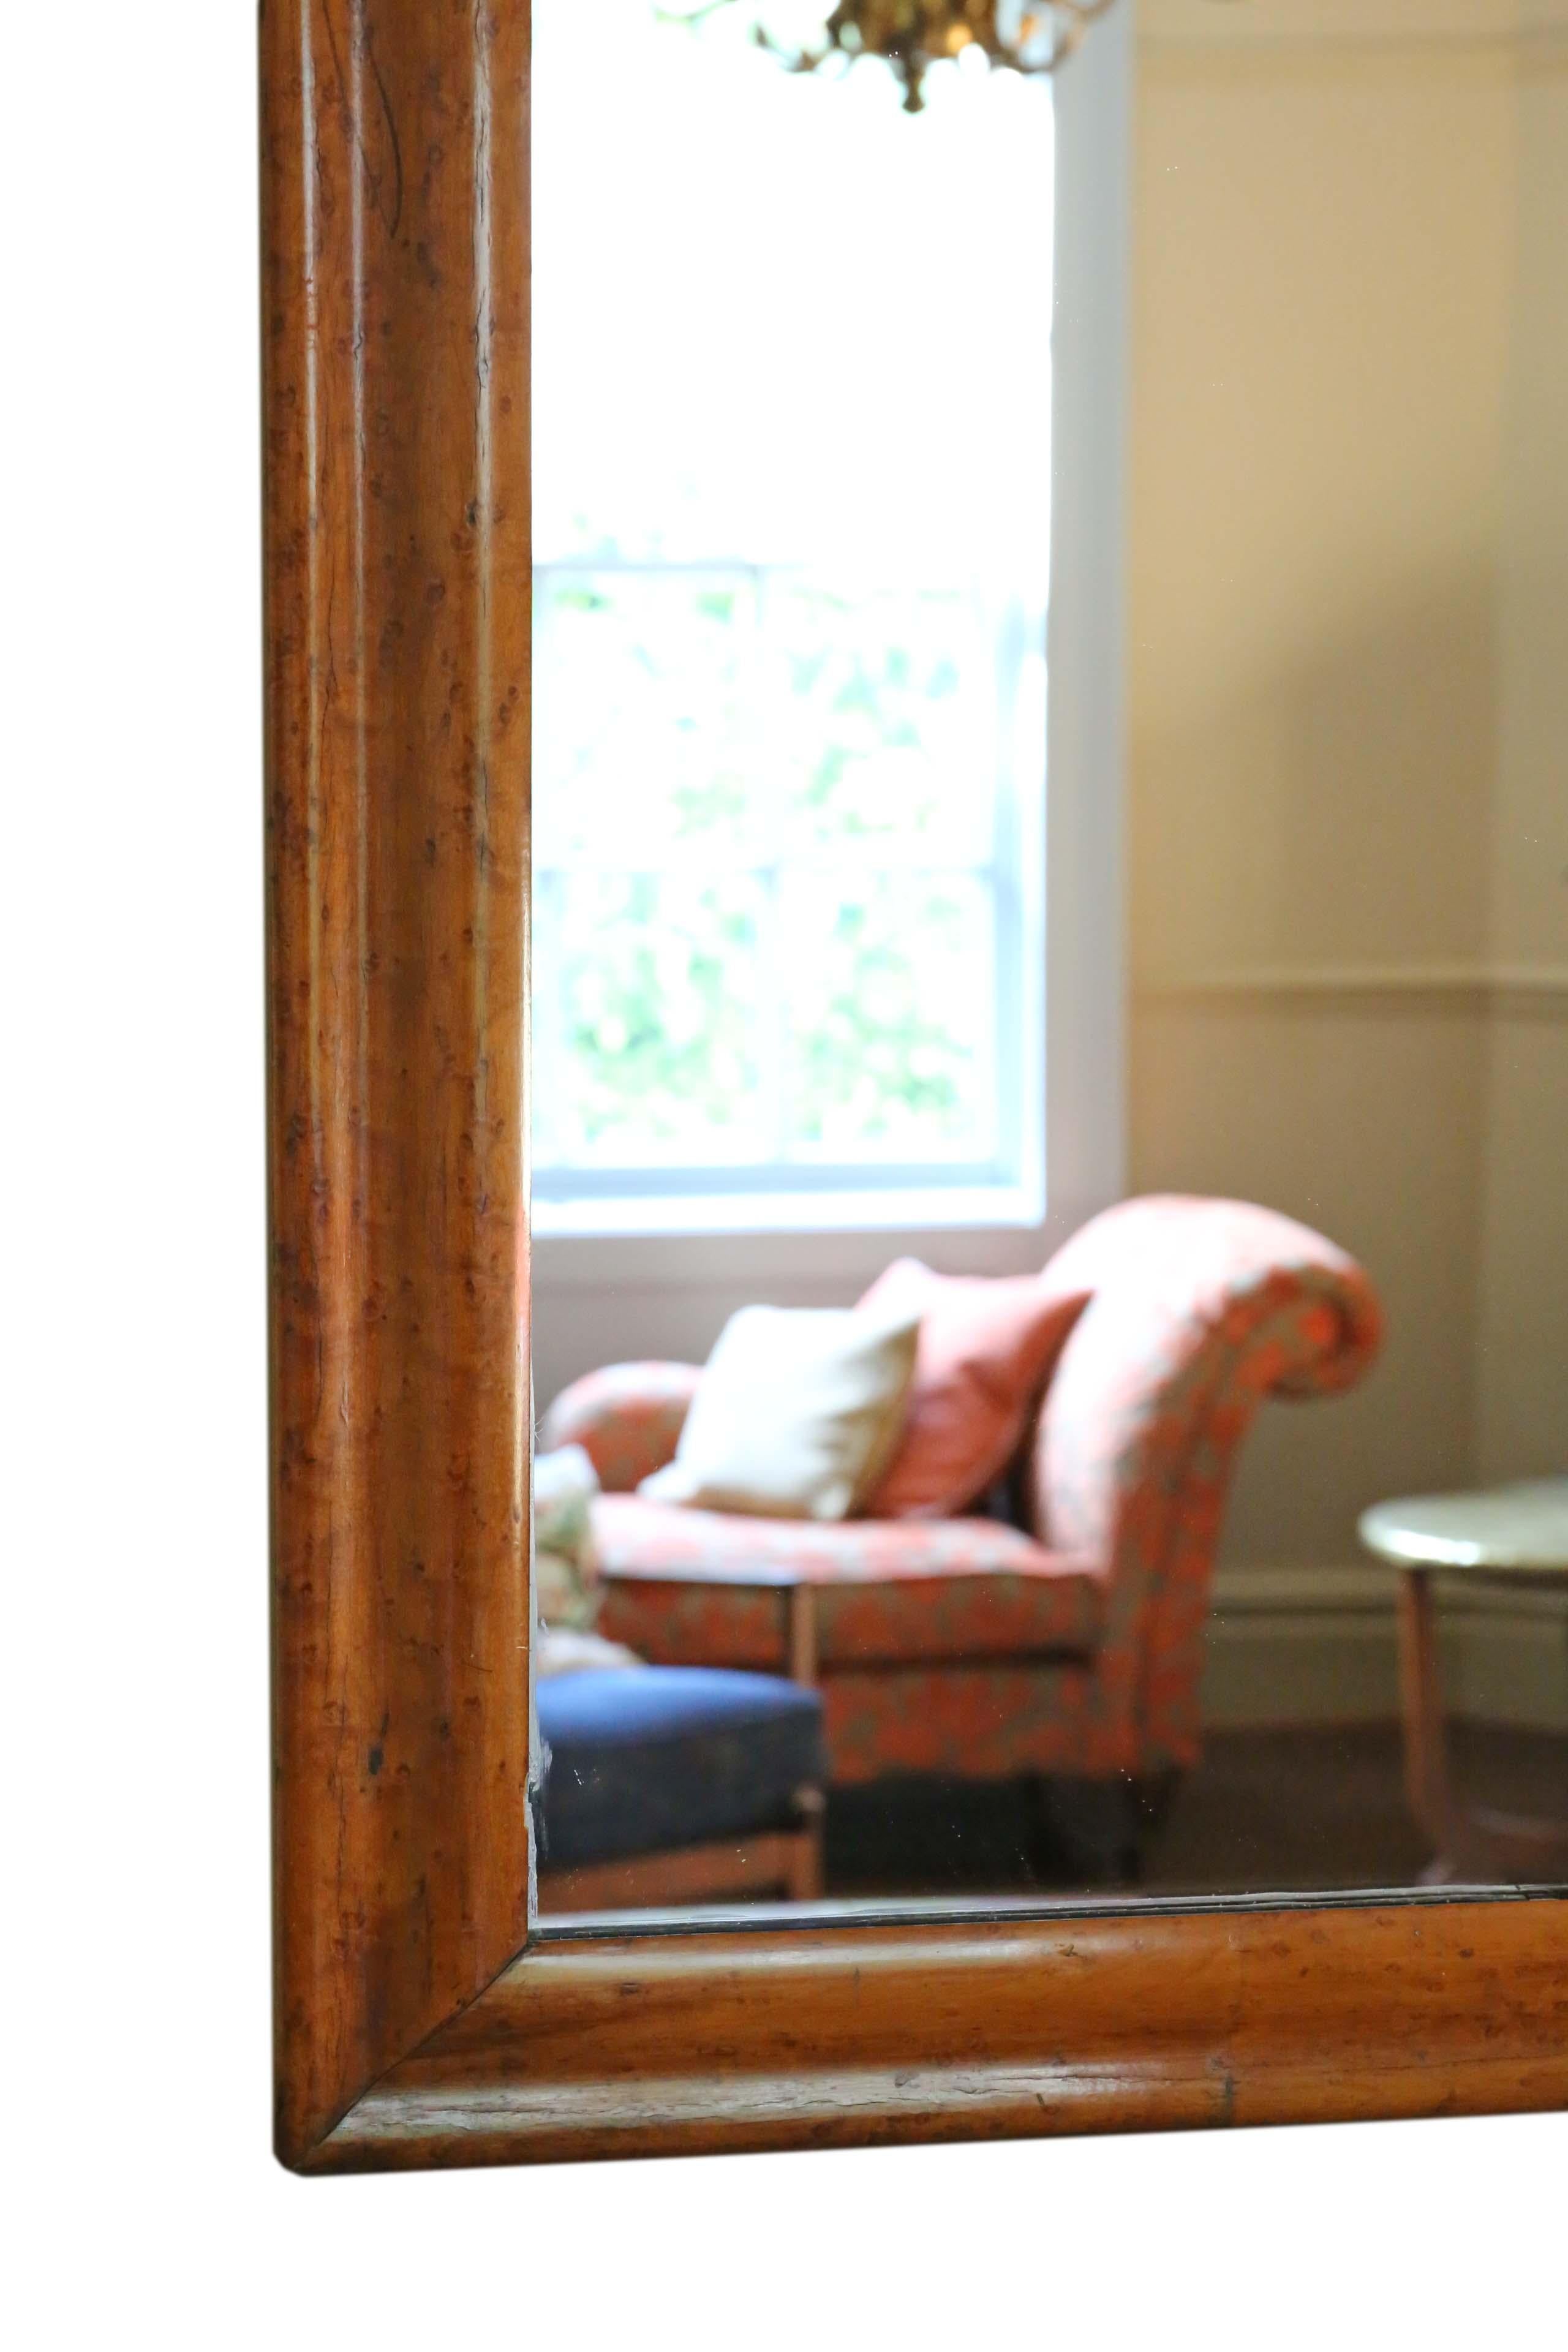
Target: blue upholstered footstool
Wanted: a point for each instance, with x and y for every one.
(678, 1784)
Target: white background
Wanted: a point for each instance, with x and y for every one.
(144, 2205)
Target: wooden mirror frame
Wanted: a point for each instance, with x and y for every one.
(418, 2020)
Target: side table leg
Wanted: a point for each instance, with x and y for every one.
(1421, 1704)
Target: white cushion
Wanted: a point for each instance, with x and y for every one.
(796, 1414)
(567, 1650)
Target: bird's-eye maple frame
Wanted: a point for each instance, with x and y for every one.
(419, 2022)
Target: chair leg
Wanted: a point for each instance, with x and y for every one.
(806, 1866)
(1096, 1832)
(1153, 1796)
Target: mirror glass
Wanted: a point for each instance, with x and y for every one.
(1050, 1176)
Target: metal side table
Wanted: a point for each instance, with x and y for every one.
(1506, 1534)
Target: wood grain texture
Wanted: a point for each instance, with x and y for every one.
(412, 2027)
(812, 2038)
(395, 203)
(727, 1870)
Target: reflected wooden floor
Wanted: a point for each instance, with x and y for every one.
(1296, 1810)
(1326, 1808)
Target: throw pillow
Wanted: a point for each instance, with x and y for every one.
(987, 1348)
(566, 1588)
(796, 1413)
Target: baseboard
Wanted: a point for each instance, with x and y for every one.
(1318, 1646)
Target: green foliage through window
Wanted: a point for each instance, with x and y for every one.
(764, 917)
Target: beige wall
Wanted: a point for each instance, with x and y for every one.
(1348, 820)
(1521, 1415)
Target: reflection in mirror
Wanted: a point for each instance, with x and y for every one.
(1028, 1407)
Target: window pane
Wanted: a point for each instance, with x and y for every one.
(777, 317)
(891, 1052)
(884, 728)
(792, 466)
(648, 1021)
(646, 719)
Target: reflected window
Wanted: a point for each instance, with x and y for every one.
(792, 472)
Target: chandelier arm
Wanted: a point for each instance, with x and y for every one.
(793, 61)
(1069, 39)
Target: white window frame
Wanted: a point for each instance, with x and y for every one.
(655, 1237)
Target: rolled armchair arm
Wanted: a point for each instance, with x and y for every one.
(1198, 1309)
(626, 1418)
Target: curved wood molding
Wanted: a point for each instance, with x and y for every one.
(412, 2026)
(394, 196)
(831, 2037)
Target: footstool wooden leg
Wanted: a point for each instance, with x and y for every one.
(1421, 1703)
(803, 1633)
(806, 1876)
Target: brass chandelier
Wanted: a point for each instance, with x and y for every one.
(1029, 37)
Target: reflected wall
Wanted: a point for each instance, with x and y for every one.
(1348, 809)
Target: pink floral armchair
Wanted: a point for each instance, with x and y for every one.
(1071, 1645)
